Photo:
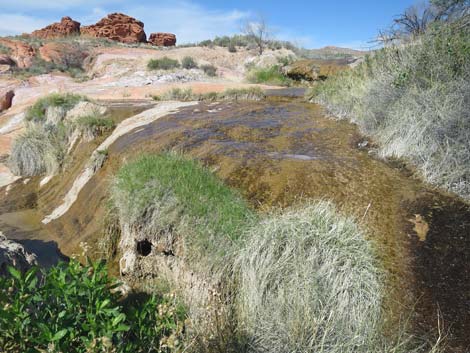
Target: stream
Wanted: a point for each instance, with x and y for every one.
(280, 152)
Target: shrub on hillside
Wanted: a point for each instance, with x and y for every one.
(209, 70)
(188, 63)
(74, 308)
(164, 63)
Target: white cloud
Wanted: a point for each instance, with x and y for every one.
(190, 22)
(11, 24)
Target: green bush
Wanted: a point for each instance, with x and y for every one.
(188, 63)
(209, 70)
(271, 76)
(164, 63)
(414, 100)
(75, 308)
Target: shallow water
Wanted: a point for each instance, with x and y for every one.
(282, 152)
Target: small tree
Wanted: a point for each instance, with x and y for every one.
(259, 32)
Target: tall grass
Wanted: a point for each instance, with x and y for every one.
(232, 94)
(43, 147)
(414, 99)
(38, 151)
(309, 282)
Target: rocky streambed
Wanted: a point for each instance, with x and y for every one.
(278, 152)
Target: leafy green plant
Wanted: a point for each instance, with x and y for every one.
(75, 308)
(164, 63)
(188, 63)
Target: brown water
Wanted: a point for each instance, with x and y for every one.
(282, 152)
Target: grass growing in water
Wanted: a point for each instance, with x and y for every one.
(309, 282)
(75, 308)
(235, 94)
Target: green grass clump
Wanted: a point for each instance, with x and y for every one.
(234, 94)
(209, 70)
(271, 76)
(168, 191)
(414, 100)
(164, 63)
(36, 113)
(188, 63)
(74, 308)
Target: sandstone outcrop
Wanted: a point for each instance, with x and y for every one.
(67, 54)
(162, 39)
(302, 70)
(118, 27)
(66, 27)
(6, 99)
(22, 53)
(13, 254)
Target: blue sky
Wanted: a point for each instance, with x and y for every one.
(310, 23)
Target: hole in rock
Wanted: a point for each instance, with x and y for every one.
(144, 247)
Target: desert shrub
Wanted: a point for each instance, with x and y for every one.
(271, 75)
(188, 63)
(36, 113)
(414, 100)
(209, 70)
(232, 48)
(75, 308)
(164, 63)
(94, 125)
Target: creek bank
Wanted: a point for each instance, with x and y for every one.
(278, 153)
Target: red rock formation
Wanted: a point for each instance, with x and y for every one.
(64, 28)
(162, 39)
(21, 52)
(6, 98)
(118, 27)
(68, 54)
